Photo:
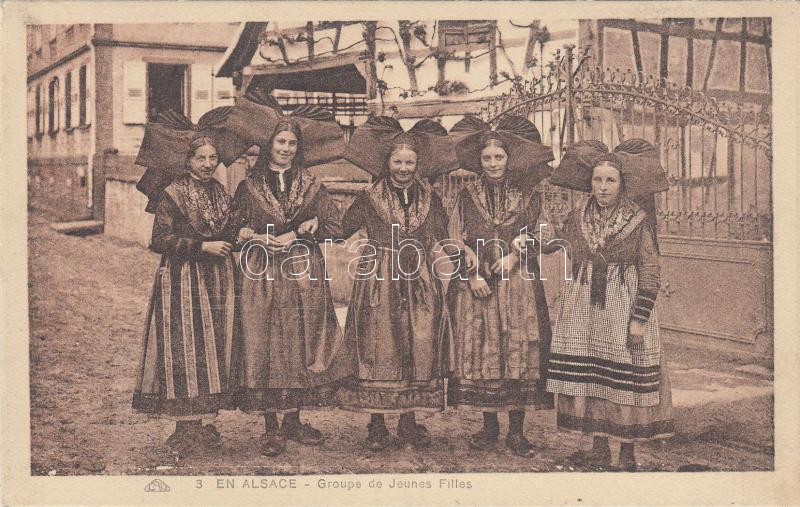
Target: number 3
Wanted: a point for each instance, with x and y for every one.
(199, 484)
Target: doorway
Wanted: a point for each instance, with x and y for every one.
(166, 88)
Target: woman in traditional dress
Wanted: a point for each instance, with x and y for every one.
(397, 314)
(606, 363)
(501, 327)
(293, 351)
(189, 338)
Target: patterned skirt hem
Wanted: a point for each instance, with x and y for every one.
(182, 408)
(168, 417)
(392, 411)
(392, 399)
(656, 430)
(495, 408)
(498, 395)
(286, 400)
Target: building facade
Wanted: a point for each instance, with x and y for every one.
(91, 89)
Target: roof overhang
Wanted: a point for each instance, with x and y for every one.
(334, 74)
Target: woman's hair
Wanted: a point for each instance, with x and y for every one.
(612, 161)
(197, 143)
(265, 152)
(492, 139)
(404, 141)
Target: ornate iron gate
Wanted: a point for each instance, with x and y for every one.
(714, 222)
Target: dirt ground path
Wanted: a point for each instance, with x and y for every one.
(88, 298)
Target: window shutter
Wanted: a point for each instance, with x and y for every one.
(53, 102)
(31, 119)
(60, 103)
(75, 99)
(223, 91)
(45, 105)
(42, 96)
(90, 96)
(201, 81)
(134, 100)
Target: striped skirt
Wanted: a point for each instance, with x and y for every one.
(604, 387)
(188, 341)
(589, 355)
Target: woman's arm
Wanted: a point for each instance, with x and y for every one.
(165, 239)
(239, 217)
(649, 276)
(329, 225)
(356, 216)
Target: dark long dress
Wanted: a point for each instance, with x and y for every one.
(604, 387)
(293, 351)
(400, 326)
(189, 336)
(500, 341)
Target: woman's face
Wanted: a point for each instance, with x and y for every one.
(493, 162)
(606, 184)
(204, 162)
(402, 166)
(284, 148)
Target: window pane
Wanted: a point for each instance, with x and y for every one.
(453, 39)
(756, 71)
(702, 52)
(51, 106)
(68, 100)
(732, 25)
(454, 33)
(650, 49)
(618, 49)
(678, 57)
(38, 107)
(755, 26)
(82, 95)
(479, 37)
(725, 70)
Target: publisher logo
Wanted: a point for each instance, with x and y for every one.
(157, 486)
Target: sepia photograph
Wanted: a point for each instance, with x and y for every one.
(309, 252)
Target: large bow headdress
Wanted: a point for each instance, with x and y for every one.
(255, 116)
(638, 161)
(521, 138)
(164, 148)
(372, 143)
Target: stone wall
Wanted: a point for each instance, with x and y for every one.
(60, 188)
(125, 217)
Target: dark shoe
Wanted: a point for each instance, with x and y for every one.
(187, 442)
(378, 437)
(303, 433)
(416, 435)
(272, 444)
(182, 442)
(210, 437)
(627, 463)
(482, 440)
(520, 445)
(595, 458)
